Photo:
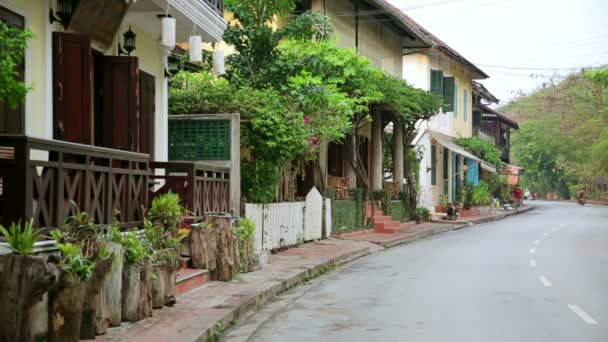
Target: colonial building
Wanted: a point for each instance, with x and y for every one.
(96, 114)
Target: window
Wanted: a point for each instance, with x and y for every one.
(465, 104)
(455, 97)
(446, 176)
(448, 94)
(433, 164)
(12, 120)
(437, 82)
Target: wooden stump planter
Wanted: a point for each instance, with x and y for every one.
(23, 282)
(66, 301)
(246, 255)
(165, 277)
(136, 291)
(203, 248)
(109, 307)
(88, 327)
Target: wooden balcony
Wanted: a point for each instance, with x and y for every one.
(202, 187)
(40, 178)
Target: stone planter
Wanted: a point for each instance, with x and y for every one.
(24, 280)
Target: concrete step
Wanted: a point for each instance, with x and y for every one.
(190, 278)
(386, 227)
(382, 218)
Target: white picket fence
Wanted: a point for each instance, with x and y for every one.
(282, 225)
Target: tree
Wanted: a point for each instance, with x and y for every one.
(13, 42)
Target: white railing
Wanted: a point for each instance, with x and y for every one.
(287, 224)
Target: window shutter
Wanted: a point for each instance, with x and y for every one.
(465, 104)
(437, 82)
(448, 94)
(433, 164)
(455, 99)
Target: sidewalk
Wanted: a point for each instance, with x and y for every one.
(211, 308)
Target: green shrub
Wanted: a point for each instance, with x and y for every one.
(74, 262)
(423, 213)
(167, 211)
(482, 149)
(481, 195)
(245, 229)
(21, 240)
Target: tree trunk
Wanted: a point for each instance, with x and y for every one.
(226, 252)
(108, 311)
(158, 285)
(246, 255)
(88, 327)
(173, 262)
(23, 282)
(203, 248)
(66, 301)
(136, 292)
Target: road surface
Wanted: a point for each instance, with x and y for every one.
(540, 276)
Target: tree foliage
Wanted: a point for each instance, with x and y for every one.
(13, 42)
(482, 149)
(563, 133)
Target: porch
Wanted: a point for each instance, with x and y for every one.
(40, 179)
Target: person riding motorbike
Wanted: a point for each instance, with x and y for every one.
(582, 193)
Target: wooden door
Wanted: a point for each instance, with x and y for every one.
(12, 119)
(120, 113)
(72, 114)
(147, 110)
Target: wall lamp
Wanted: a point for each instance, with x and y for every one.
(128, 43)
(63, 14)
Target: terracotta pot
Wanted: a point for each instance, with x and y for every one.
(439, 209)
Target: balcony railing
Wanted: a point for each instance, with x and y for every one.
(202, 187)
(41, 178)
(217, 5)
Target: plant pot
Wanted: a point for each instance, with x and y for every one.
(158, 285)
(136, 291)
(440, 209)
(109, 306)
(66, 301)
(92, 302)
(24, 281)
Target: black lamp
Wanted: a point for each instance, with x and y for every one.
(172, 66)
(128, 43)
(64, 13)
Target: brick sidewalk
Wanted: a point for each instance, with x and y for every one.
(198, 312)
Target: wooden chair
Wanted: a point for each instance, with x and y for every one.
(340, 184)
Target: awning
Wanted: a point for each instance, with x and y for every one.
(449, 143)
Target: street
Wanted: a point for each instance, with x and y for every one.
(540, 276)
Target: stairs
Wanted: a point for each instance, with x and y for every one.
(190, 278)
(384, 224)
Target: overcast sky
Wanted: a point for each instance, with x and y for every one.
(503, 37)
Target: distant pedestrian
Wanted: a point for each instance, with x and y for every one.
(517, 193)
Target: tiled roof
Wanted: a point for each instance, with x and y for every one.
(500, 116)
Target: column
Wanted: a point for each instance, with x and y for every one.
(376, 153)
(398, 153)
(349, 171)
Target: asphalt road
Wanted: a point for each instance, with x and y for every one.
(540, 276)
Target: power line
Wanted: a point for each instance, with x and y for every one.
(534, 69)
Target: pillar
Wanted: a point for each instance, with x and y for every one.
(398, 153)
(376, 153)
(349, 171)
(322, 164)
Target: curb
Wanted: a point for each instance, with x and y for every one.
(259, 299)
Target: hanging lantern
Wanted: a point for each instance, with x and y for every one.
(218, 62)
(128, 43)
(168, 31)
(172, 65)
(196, 49)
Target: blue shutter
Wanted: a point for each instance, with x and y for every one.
(473, 172)
(465, 101)
(455, 100)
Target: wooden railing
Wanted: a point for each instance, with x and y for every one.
(40, 178)
(202, 187)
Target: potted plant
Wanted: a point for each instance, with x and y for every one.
(421, 214)
(481, 199)
(25, 279)
(244, 231)
(443, 204)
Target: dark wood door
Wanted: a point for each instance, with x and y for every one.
(12, 119)
(147, 110)
(120, 113)
(72, 114)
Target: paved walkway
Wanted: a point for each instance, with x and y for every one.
(212, 307)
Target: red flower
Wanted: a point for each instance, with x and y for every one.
(307, 119)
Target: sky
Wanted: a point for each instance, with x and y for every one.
(520, 44)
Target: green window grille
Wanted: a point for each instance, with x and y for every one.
(448, 95)
(437, 82)
(199, 139)
(433, 165)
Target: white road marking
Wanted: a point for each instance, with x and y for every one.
(545, 281)
(537, 242)
(533, 250)
(532, 263)
(582, 314)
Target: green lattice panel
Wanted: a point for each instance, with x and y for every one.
(199, 139)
